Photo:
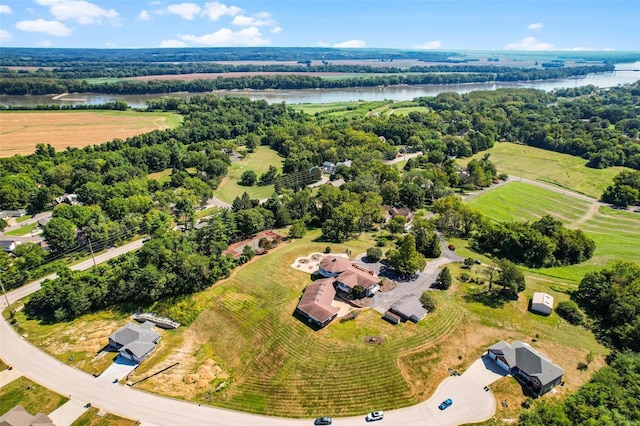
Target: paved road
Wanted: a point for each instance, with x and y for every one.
(26, 290)
(37, 217)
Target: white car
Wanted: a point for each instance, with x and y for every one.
(375, 415)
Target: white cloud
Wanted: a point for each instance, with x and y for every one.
(535, 26)
(41, 26)
(172, 43)
(435, 44)
(186, 10)
(225, 37)
(350, 43)
(5, 9)
(80, 11)
(276, 30)
(323, 44)
(109, 44)
(215, 10)
(5, 35)
(45, 43)
(529, 43)
(580, 49)
(144, 16)
(247, 21)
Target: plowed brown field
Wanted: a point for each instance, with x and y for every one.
(21, 131)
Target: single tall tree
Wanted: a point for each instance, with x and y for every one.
(406, 259)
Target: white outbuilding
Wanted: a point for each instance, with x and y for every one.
(542, 302)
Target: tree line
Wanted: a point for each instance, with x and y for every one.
(33, 84)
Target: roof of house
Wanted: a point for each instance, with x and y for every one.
(138, 349)
(528, 360)
(410, 307)
(335, 264)
(7, 244)
(542, 299)
(18, 416)
(132, 332)
(317, 298)
(355, 275)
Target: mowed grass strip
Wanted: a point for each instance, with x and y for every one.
(517, 201)
(563, 170)
(21, 131)
(258, 161)
(616, 233)
(33, 397)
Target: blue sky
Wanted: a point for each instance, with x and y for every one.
(401, 24)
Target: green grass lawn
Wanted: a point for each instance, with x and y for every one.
(23, 218)
(91, 418)
(616, 233)
(23, 230)
(551, 167)
(407, 110)
(33, 397)
(161, 177)
(517, 201)
(258, 161)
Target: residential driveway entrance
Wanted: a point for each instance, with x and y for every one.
(117, 371)
(484, 371)
(471, 404)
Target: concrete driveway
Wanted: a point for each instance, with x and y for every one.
(120, 368)
(471, 404)
(484, 371)
(68, 413)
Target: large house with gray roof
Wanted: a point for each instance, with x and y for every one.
(134, 342)
(537, 372)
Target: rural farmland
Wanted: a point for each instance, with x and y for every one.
(21, 131)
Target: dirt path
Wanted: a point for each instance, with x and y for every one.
(593, 210)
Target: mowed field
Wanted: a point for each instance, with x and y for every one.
(258, 161)
(616, 233)
(21, 131)
(563, 170)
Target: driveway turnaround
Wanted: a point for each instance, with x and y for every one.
(484, 371)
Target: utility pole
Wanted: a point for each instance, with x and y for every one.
(4, 292)
(91, 249)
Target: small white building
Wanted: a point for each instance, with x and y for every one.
(542, 303)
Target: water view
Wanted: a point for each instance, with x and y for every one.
(624, 74)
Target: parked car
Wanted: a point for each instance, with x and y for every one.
(477, 262)
(375, 415)
(323, 421)
(445, 404)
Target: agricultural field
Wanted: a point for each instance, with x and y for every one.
(258, 161)
(563, 170)
(616, 233)
(21, 131)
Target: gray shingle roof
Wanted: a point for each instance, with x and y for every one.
(409, 307)
(131, 332)
(139, 349)
(528, 360)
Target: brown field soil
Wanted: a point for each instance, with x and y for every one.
(21, 131)
(214, 75)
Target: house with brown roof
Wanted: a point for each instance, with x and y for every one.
(18, 416)
(332, 266)
(315, 303)
(358, 276)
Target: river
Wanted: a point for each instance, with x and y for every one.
(624, 74)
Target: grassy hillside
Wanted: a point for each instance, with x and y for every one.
(616, 233)
(563, 170)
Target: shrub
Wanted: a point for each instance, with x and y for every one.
(327, 249)
(248, 178)
(444, 279)
(374, 254)
(464, 277)
(570, 312)
(428, 301)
